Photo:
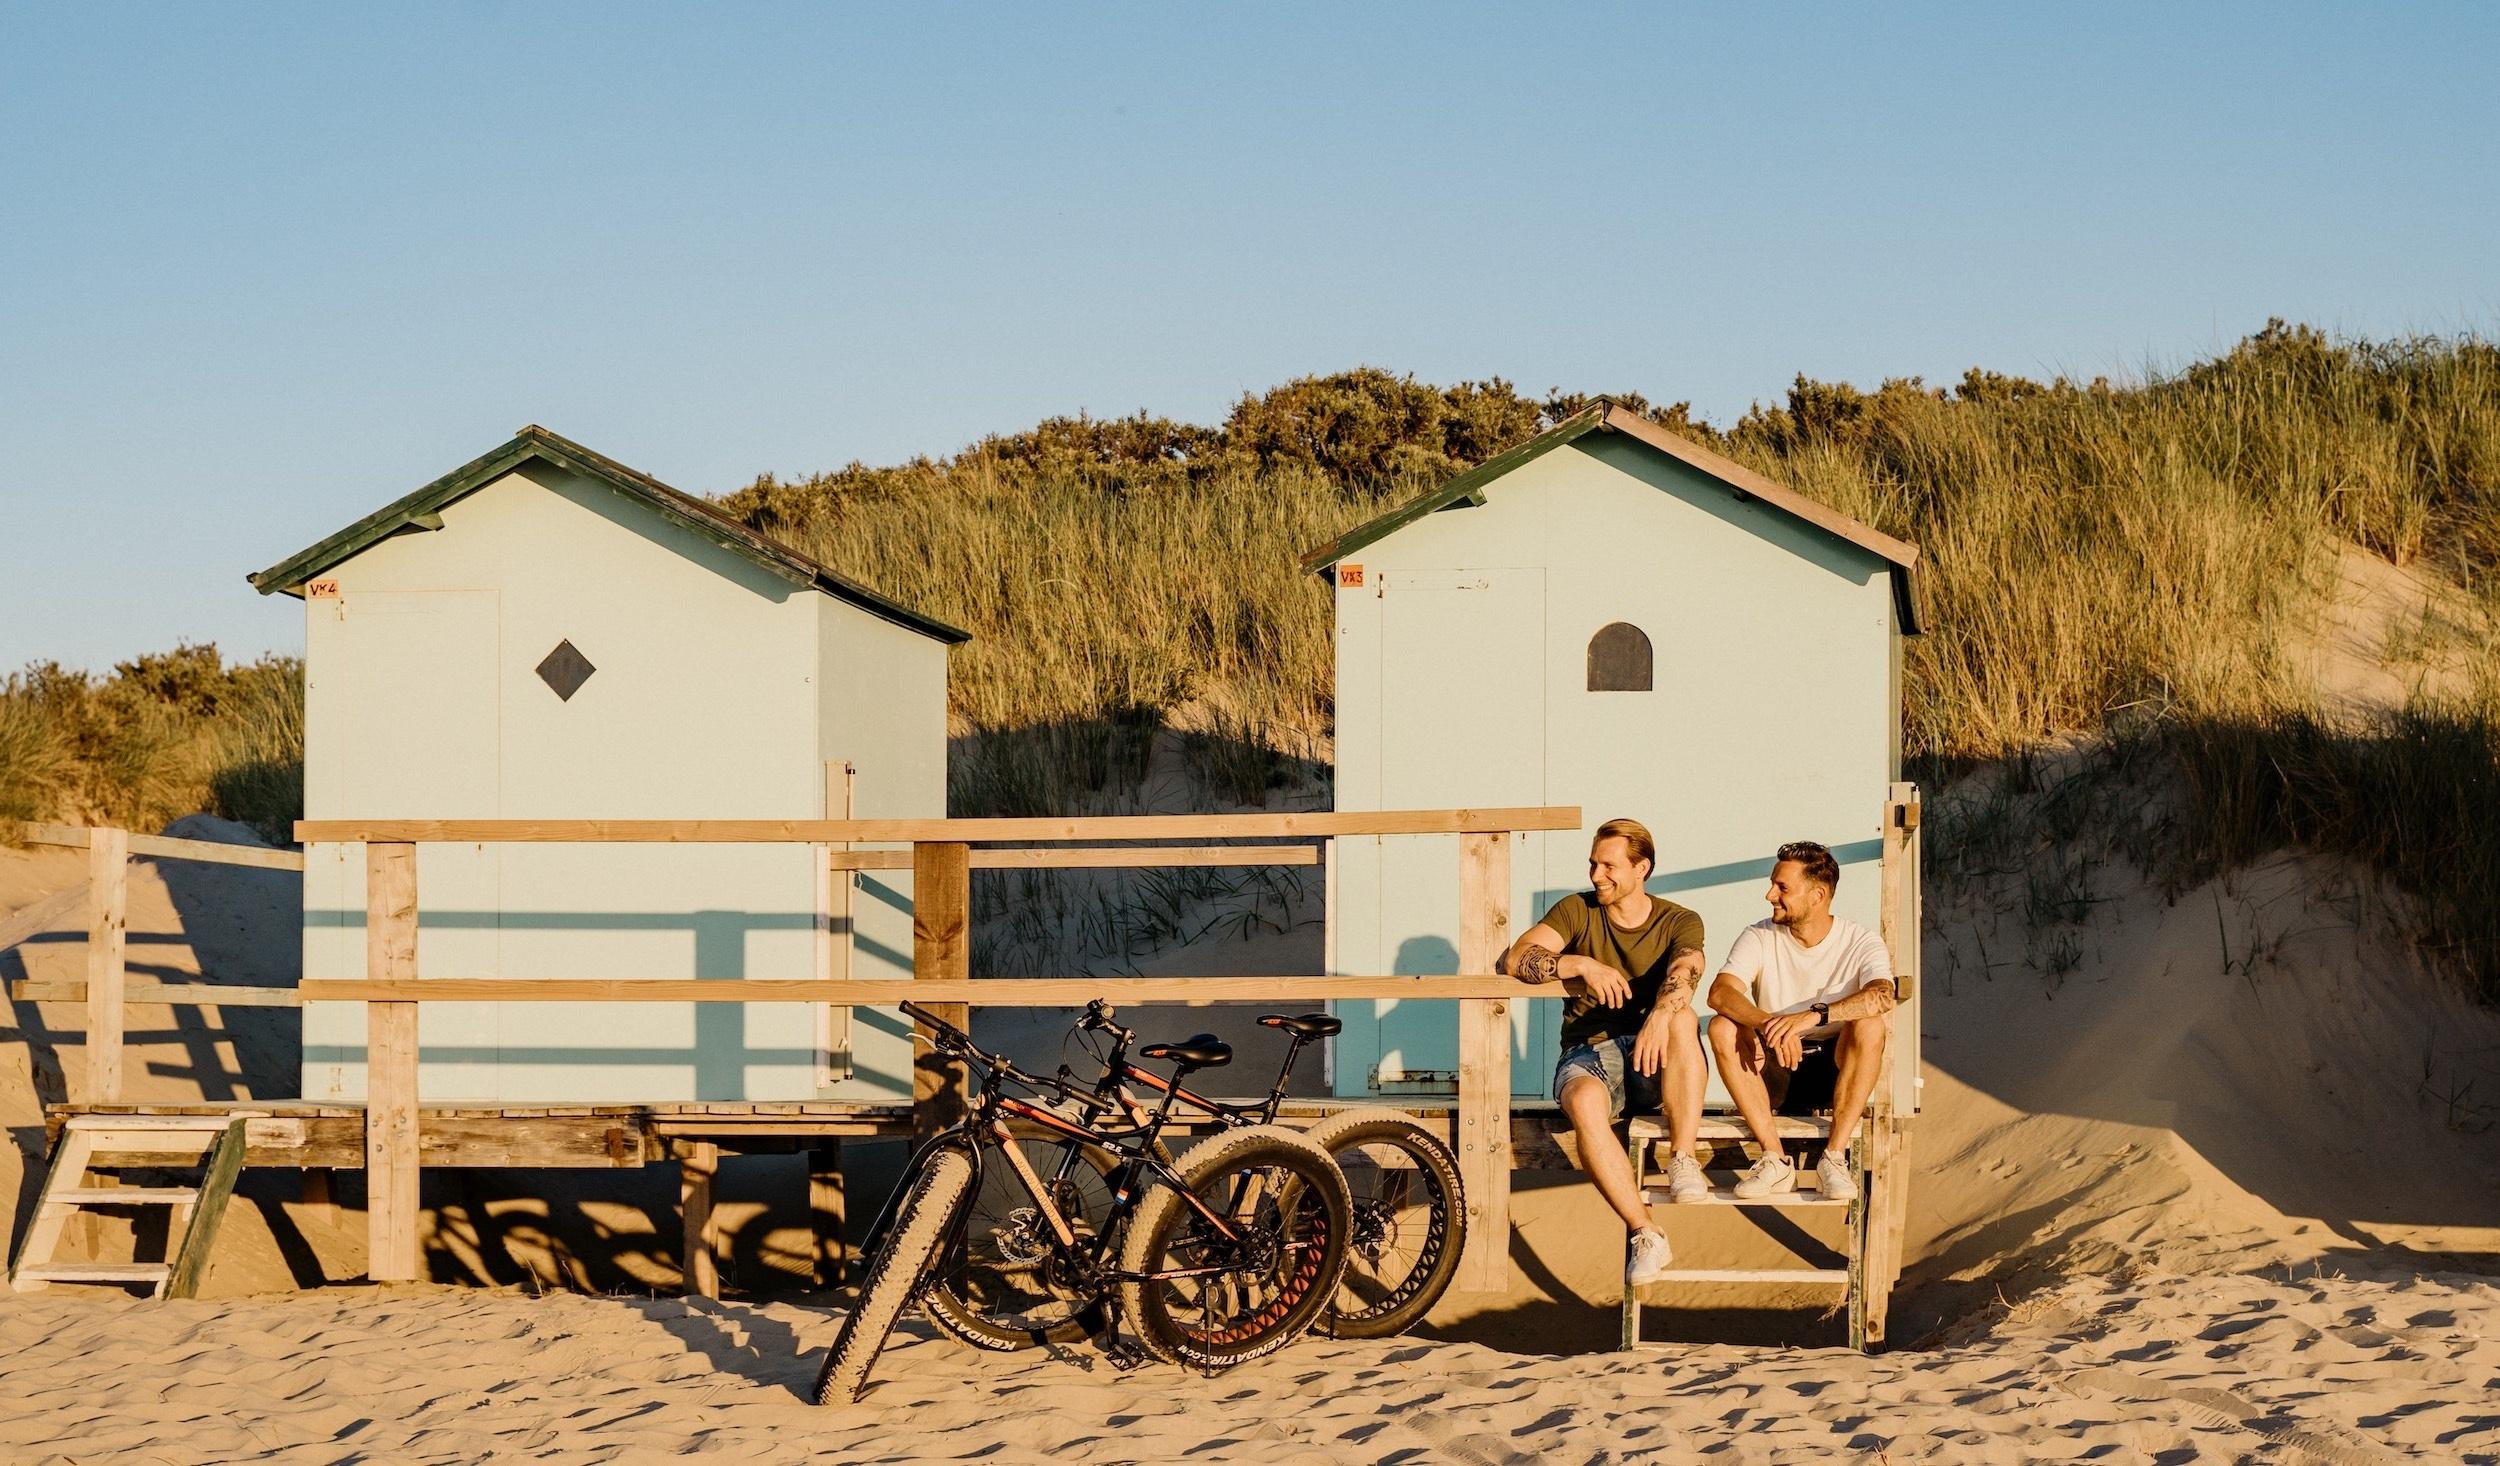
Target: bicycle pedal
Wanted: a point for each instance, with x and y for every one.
(1121, 1355)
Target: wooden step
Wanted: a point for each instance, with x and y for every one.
(1820, 1277)
(92, 1196)
(1729, 1127)
(1725, 1196)
(96, 1272)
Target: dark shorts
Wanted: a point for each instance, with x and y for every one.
(1808, 1087)
(1609, 1061)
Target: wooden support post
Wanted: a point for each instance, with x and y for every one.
(698, 1162)
(1484, 1063)
(391, 1067)
(941, 947)
(108, 906)
(827, 1212)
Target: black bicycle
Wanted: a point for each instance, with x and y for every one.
(1221, 1259)
(998, 1289)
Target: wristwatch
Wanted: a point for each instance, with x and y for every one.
(1822, 1014)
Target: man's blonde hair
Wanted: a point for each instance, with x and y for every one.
(1632, 833)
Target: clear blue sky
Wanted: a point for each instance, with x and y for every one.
(264, 268)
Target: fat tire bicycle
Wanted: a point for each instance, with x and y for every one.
(1214, 1261)
(1409, 1208)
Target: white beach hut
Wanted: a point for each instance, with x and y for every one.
(1608, 616)
(548, 634)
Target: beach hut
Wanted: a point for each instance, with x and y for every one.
(545, 633)
(1614, 617)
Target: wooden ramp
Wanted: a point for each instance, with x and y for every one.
(211, 1144)
(1869, 1225)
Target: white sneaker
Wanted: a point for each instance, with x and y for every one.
(1685, 1181)
(1650, 1258)
(1833, 1177)
(1773, 1175)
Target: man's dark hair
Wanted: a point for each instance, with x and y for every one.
(1816, 859)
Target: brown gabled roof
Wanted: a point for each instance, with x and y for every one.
(534, 442)
(1609, 417)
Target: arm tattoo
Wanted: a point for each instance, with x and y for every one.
(1683, 977)
(1537, 965)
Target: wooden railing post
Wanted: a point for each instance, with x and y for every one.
(1484, 1063)
(108, 908)
(941, 947)
(391, 1066)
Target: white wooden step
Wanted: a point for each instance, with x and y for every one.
(124, 1196)
(1720, 1196)
(1810, 1276)
(97, 1272)
(1730, 1127)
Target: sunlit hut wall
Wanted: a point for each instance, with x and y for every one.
(547, 634)
(1612, 617)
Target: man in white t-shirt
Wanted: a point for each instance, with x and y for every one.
(1798, 1020)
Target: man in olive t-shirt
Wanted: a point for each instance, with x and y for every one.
(1638, 960)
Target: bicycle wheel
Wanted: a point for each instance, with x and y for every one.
(1410, 1221)
(894, 1272)
(1234, 1299)
(1003, 1288)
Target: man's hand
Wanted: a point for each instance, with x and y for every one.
(1649, 1049)
(1785, 1037)
(1606, 985)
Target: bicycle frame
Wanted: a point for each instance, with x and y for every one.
(986, 1127)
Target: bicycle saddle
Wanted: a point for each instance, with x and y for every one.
(1309, 1025)
(1199, 1051)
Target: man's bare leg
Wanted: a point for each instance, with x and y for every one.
(1745, 1086)
(1685, 1079)
(1592, 1113)
(1858, 1051)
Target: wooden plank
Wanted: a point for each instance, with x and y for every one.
(1312, 824)
(1121, 857)
(45, 915)
(199, 1239)
(165, 847)
(392, 1147)
(827, 1213)
(42, 1237)
(90, 1272)
(1010, 992)
(202, 994)
(941, 951)
(108, 879)
(698, 1164)
(1803, 1276)
(1484, 1064)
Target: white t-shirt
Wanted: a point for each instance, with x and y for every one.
(1787, 976)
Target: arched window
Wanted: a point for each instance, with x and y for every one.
(1619, 659)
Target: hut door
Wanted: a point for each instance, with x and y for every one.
(1462, 678)
(409, 713)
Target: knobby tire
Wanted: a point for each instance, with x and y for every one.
(894, 1274)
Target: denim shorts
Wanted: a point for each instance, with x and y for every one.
(1610, 1060)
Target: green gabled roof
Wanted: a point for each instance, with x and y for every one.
(1900, 555)
(1468, 486)
(423, 508)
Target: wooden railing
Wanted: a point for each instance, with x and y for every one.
(941, 860)
(105, 896)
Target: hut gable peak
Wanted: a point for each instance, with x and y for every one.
(423, 510)
(1603, 416)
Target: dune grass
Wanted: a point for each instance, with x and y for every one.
(168, 734)
(2138, 564)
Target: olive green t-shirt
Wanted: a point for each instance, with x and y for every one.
(1640, 953)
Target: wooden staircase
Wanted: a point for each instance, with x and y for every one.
(211, 1144)
(1864, 1282)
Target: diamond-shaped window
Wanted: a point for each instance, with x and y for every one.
(565, 670)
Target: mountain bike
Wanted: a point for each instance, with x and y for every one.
(1219, 1259)
(994, 1291)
